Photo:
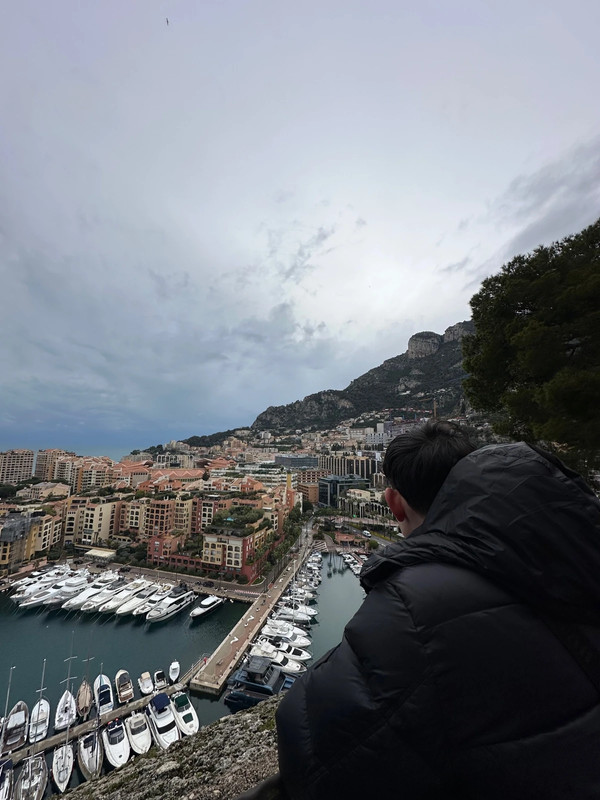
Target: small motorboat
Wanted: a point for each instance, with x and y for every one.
(139, 733)
(32, 780)
(84, 699)
(174, 670)
(62, 764)
(103, 694)
(295, 653)
(6, 779)
(207, 605)
(185, 714)
(145, 683)
(15, 728)
(39, 721)
(285, 664)
(116, 743)
(124, 686)
(162, 721)
(90, 754)
(160, 680)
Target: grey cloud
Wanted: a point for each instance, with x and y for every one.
(457, 266)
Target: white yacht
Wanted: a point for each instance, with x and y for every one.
(32, 780)
(310, 612)
(103, 694)
(159, 595)
(66, 712)
(43, 594)
(129, 606)
(29, 586)
(162, 721)
(93, 589)
(139, 733)
(94, 603)
(62, 765)
(290, 615)
(285, 664)
(116, 743)
(90, 754)
(295, 653)
(126, 593)
(286, 632)
(177, 599)
(15, 728)
(145, 683)
(185, 714)
(174, 670)
(124, 686)
(72, 588)
(39, 721)
(207, 605)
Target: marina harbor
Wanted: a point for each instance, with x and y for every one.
(240, 668)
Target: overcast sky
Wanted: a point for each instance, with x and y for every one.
(262, 199)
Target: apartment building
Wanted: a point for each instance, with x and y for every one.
(46, 531)
(132, 516)
(364, 466)
(16, 466)
(90, 523)
(43, 490)
(17, 545)
(332, 487)
(45, 463)
(160, 517)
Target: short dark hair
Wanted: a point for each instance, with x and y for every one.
(417, 463)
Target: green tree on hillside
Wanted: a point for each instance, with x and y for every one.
(534, 360)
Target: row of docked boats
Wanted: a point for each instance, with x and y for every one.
(166, 719)
(280, 652)
(105, 593)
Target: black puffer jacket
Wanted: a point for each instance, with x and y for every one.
(448, 682)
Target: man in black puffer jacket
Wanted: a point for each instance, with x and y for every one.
(472, 669)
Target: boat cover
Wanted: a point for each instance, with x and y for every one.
(160, 702)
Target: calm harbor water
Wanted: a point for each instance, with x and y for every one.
(29, 637)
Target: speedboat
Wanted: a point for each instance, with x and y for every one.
(62, 765)
(145, 683)
(124, 686)
(207, 605)
(126, 593)
(15, 727)
(177, 599)
(310, 612)
(139, 733)
(103, 694)
(66, 711)
(160, 680)
(90, 754)
(291, 615)
(39, 721)
(6, 779)
(94, 603)
(162, 720)
(138, 599)
(295, 653)
(84, 699)
(185, 714)
(257, 680)
(93, 589)
(285, 632)
(174, 670)
(32, 780)
(285, 664)
(159, 595)
(116, 744)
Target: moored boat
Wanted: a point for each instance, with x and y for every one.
(162, 721)
(39, 721)
(145, 683)
(32, 780)
(284, 663)
(129, 606)
(116, 743)
(128, 591)
(140, 737)
(185, 714)
(62, 765)
(15, 727)
(6, 779)
(124, 686)
(160, 680)
(174, 670)
(162, 591)
(286, 632)
(257, 680)
(177, 599)
(103, 694)
(207, 605)
(90, 754)
(295, 653)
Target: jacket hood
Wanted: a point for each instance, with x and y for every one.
(509, 514)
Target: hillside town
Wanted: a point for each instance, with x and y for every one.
(226, 510)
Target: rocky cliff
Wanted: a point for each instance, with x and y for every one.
(430, 368)
(220, 762)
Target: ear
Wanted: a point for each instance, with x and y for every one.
(396, 503)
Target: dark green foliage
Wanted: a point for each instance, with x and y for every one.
(535, 356)
(212, 439)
